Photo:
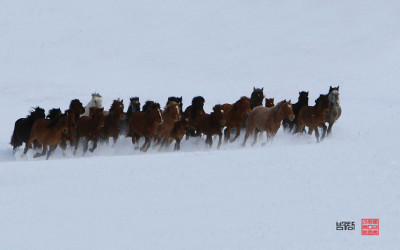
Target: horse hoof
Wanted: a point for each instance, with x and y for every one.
(91, 150)
(37, 155)
(231, 140)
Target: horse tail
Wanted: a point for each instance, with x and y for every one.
(15, 140)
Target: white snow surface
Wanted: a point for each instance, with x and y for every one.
(286, 195)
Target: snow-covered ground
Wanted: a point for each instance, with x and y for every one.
(286, 195)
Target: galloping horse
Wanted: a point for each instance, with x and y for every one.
(177, 100)
(314, 117)
(48, 133)
(212, 124)
(334, 107)
(112, 121)
(23, 127)
(267, 119)
(75, 110)
(193, 112)
(170, 115)
(234, 117)
(144, 124)
(96, 102)
(89, 128)
(257, 97)
(134, 106)
(302, 101)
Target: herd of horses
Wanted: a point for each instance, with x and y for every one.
(79, 125)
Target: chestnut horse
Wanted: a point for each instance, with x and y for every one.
(269, 102)
(89, 128)
(334, 107)
(112, 121)
(177, 100)
(314, 117)
(23, 127)
(180, 129)
(302, 101)
(170, 115)
(48, 133)
(267, 119)
(144, 124)
(212, 124)
(234, 117)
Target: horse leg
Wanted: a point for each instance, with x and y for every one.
(44, 151)
(177, 146)
(310, 130)
(94, 144)
(236, 136)
(115, 138)
(52, 148)
(256, 131)
(248, 131)
(85, 146)
(146, 142)
(219, 140)
(316, 134)
(210, 141)
(329, 128)
(27, 146)
(323, 132)
(227, 134)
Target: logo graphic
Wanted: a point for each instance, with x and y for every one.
(369, 226)
(345, 225)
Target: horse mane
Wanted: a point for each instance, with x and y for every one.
(148, 105)
(116, 104)
(197, 105)
(37, 112)
(96, 94)
(54, 121)
(54, 113)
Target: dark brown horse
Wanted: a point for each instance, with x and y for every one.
(234, 117)
(314, 117)
(89, 128)
(301, 102)
(257, 97)
(193, 112)
(112, 121)
(144, 124)
(48, 133)
(212, 124)
(180, 129)
(23, 127)
(267, 119)
(75, 110)
(269, 102)
(170, 115)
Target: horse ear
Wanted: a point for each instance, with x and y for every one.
(330, 88)
(290, 100)
(262, 89)
(337, 88)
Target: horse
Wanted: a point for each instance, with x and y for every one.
(301, 102)
(23, 127)
(267, 119)
(177, 100)
(212, 124)
(193, 112)
(76, 109)
(54, 113)
(334, 107)
(234, 117)
(89, 128)
(134, 106)
(269, 102)
(48, 133)
(170, 115)
(314, 117)
(180, 129)
(257, 97)
(96, 102)
(144, 124)
(112, 121)
(148, 105)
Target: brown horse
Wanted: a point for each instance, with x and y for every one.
(75, 110)
(48, 133)
(177, 133)
(212, 124)
(112, 121)
(89, 128)
(314, 117)
(269, 102)
(170, 115)
(267, 119)
(234, 117)
(144, 124)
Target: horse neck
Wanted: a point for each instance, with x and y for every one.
(278, 115)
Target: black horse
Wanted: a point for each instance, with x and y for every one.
(256, 97)
(23, 127)
(301, 102)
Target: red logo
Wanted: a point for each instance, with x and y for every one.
(369, 226)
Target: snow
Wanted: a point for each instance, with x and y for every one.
(286, 195)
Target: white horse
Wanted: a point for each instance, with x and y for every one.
(334, 107)
(96, 101)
